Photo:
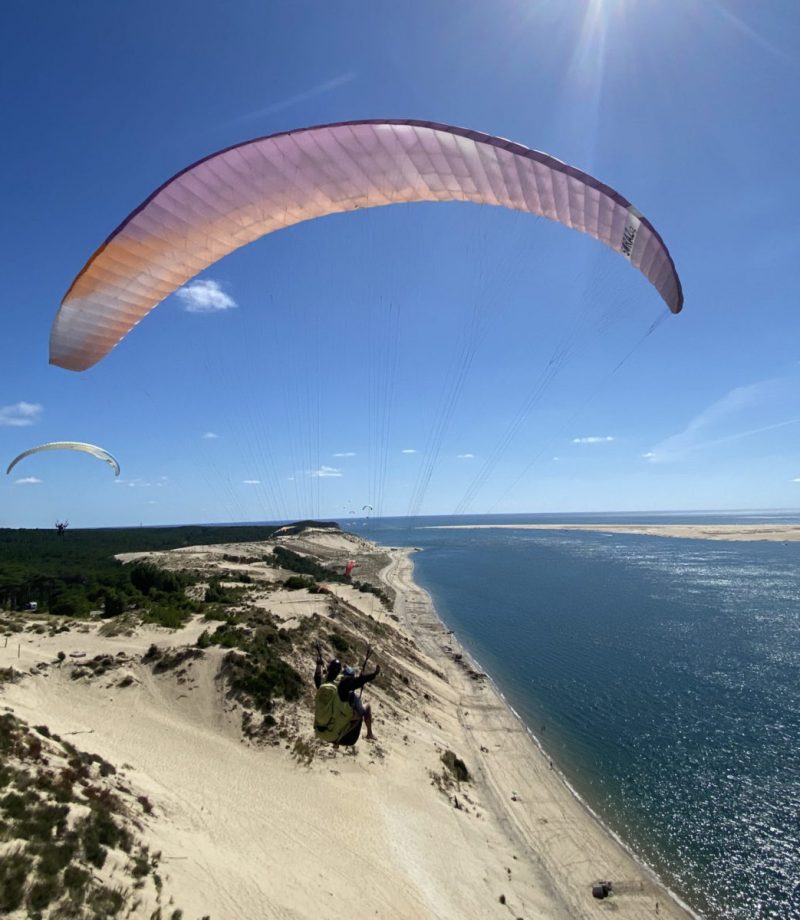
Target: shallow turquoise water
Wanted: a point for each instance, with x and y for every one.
(663, 675)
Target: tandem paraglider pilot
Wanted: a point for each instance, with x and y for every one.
(338, 710)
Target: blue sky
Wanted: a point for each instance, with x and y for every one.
(317, 370)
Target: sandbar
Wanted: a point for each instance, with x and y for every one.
(784, 533)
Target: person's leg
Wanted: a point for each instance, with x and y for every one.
(368, 722)
(362, 711)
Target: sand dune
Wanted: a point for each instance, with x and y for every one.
(248, 830)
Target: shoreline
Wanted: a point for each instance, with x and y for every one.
(654, 898)
(785, 533)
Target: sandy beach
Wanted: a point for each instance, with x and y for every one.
(279, 825)
(784, 533)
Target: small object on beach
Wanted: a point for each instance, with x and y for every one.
(77, 654)
(502, 899)
(602, 890)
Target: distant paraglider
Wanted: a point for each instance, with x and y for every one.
(61, 527)
(244, 192)
(92, 449)
(349, 567)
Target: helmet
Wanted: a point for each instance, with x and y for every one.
(348, 671)
(334, 666)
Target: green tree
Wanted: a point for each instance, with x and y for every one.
(113, 605)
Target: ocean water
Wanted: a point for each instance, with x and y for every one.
(663, 677)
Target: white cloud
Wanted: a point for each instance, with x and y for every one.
(796, 479)
(649, 455)
(593, 439)
(465, 456)
(408, 451)
(205, 297)
(252, 482)
(210, 436)
(20, 414)
(555, 458)
(730, 419)
(326, 471)
(28, 481)
(152, 501)
(345, 453)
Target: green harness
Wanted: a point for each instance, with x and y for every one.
(332, 717)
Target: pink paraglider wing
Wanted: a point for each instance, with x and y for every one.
(242, 193)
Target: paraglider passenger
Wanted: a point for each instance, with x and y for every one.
(340, 719)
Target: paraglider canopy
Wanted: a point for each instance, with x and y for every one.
(68, 445)
(241, 193)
